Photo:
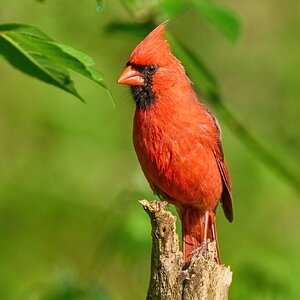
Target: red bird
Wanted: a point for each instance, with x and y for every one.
(177, 141)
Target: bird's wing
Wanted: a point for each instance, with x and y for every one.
(226, 198)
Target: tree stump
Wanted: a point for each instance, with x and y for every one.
(171, 279)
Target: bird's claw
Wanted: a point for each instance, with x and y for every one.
(202, 249)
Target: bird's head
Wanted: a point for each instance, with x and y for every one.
(150, 68)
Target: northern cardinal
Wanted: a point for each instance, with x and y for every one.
(177, 141)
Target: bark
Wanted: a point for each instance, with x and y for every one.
(201, 279)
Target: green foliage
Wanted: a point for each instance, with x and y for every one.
(224, 18)
(34, 53)
(172, 8)
(130, 30)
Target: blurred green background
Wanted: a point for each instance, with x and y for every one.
(70, 223)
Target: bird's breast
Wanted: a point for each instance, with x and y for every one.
(174, 151)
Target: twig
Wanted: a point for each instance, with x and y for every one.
(202, 279)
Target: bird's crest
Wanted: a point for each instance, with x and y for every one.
(154, 49)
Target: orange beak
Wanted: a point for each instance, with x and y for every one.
(131, 77)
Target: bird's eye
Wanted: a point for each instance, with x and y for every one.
(151, 69)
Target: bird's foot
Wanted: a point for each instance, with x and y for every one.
(202, 249)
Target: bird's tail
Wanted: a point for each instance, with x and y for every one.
(197, 229)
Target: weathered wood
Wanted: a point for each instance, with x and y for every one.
(202, 279)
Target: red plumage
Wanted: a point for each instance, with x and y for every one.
(177, 140)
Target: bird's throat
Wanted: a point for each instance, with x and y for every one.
(143, 96)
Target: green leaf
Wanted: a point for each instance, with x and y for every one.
(79, 62)
(172, 8)
(131, 30)
(223, 18)
(34, 53)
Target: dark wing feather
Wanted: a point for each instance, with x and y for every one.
(226, 198)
